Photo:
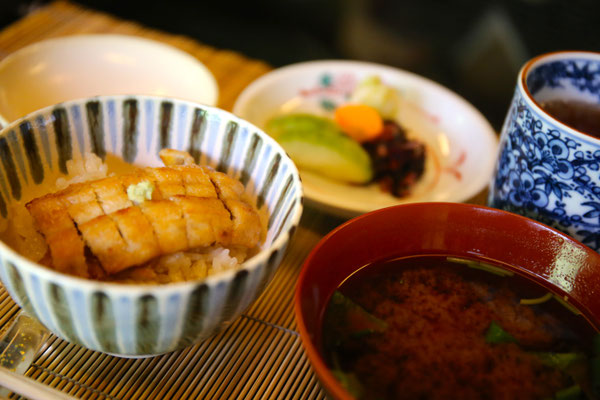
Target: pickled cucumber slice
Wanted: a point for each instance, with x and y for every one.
(317, 144)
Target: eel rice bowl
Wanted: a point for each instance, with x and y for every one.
(150, 225)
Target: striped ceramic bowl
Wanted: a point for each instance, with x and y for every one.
(141, 320)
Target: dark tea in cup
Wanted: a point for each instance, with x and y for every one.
(577, 114)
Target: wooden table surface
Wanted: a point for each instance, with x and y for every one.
(258, 356)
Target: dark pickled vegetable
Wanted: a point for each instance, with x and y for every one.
(397, 161)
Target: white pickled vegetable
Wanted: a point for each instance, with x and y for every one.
(372, 92)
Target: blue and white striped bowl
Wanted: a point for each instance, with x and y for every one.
(141, 320)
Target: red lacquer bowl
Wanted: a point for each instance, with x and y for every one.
(552, 259)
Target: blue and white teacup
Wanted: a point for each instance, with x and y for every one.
(546, 169)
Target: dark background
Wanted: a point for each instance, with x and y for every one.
(474, 47)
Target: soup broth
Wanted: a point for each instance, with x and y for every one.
(437, 327)
(583, 116)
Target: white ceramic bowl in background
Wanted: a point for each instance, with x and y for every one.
(72, 67)
(140, 320)
(462, 145)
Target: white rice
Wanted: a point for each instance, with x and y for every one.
(184, 266)
(89, 168)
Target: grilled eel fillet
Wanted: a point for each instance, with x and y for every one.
(191, 207)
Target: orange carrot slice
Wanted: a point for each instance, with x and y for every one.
(359, 121)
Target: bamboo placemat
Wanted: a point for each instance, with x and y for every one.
(260, 354)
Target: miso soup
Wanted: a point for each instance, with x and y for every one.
(437, 327)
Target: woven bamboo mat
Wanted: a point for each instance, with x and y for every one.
(259, 355)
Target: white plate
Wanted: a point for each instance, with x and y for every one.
(461, 143)
(71, 67)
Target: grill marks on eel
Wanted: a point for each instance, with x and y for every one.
(191, 207)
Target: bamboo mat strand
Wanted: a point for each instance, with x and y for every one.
(260, 354)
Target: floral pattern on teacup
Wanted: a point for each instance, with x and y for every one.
(547, 175)
(583, 75)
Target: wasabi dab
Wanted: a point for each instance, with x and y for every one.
(140, 192)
